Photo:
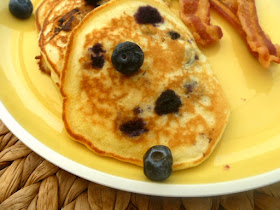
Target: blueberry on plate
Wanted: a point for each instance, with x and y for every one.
(158, 163)
(127, 57)
(21, 8)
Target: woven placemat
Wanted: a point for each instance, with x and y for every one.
(27, 181)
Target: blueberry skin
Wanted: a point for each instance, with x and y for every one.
(21, 8)
(158, 163)
(127, 57)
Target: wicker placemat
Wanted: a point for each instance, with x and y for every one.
(27, 181)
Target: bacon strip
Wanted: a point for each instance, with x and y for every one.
(228, 10)
(258, 41)
(243, 16)
(196, 16)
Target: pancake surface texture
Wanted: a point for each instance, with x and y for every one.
(62, 18)
(115, 114)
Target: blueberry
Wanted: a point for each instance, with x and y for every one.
(158, 163)
(127, 57)
(21, 8)
(174, 35)
(92, 2)
(97, 56)
(97, 62)
(167, 102)
(134, 127)
(148, 15)
(97, 49)
(190, 86)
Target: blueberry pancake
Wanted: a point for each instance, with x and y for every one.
(63, 17)
(42, 12)
(134, 78)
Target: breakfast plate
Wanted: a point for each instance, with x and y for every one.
(246, 157)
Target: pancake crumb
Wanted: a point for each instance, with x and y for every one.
(226, 167)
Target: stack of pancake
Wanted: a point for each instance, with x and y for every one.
(55, 20)
(114, 114)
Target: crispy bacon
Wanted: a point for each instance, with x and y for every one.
(258, 41)
(243, 16)
(231, 4)
(196, 16)
(228, 10)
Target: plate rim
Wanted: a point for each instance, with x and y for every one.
(134, 186)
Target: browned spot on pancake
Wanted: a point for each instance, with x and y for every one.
(148, 30)
(64, 39)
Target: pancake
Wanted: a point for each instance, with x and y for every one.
(42, 12)
(40, 15)
(52, 57)
(57, 27)
(122, 116)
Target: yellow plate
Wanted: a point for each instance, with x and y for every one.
(247, 156)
